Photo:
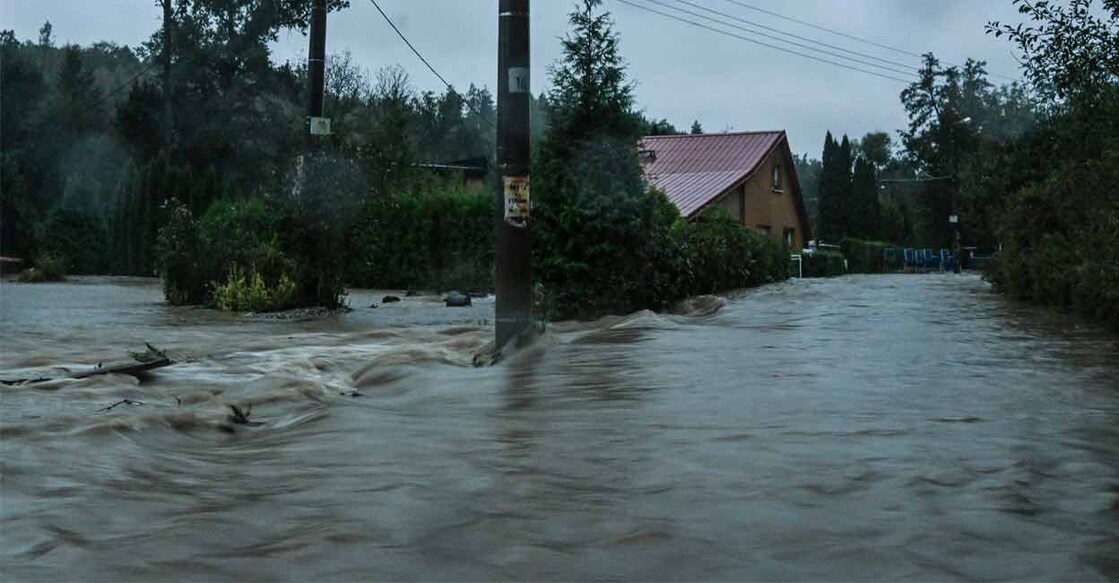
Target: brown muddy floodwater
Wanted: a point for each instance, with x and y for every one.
(885, 427)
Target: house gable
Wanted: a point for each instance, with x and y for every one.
(734, 171)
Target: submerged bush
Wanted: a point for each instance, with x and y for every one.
(241, 293)
(48, 268)
(179, 252)
(824, 264)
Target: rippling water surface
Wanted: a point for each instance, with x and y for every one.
(887, 427)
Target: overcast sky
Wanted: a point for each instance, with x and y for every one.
(682, 72)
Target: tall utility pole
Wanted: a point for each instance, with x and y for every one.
(168, 88)
(514, 158)
(316, 72)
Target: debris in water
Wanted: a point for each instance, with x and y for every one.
(119, 403)
(241, 416)
(390, 300)
(151, 359)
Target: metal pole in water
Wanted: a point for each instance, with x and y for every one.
(316, 72)
(514, 158)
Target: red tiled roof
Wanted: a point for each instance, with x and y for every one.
(695, 170)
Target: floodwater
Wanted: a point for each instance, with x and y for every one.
(910, 427)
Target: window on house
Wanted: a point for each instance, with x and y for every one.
(790, 237)
(764, 228)
(777, 177)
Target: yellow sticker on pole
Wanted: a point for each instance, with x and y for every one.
(518, 206)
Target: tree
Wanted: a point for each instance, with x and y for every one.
(945, 107)
(660, 127)
(865, 211)
(876, 148)
(1057, 214)
(388, 157)
(834, 222)
(79, 107)
(601, 236)
(808, 174)
(696, 128)
(1070, 55)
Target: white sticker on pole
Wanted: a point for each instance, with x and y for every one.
(518, 206)
(519, 80)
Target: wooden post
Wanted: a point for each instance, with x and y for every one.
(514, 159)
(316, 66)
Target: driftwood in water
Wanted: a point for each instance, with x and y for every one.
(146, 361)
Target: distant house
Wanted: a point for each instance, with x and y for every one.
(751, 175)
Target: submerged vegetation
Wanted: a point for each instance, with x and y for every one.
(49, 268)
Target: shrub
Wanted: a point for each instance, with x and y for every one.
(180, 259)
(313, 219)
(725, 255)
(604, 242)
(824, 264)
(48, 268)
(251, 294)
(439, 240)
(230, 258)
(78, 236)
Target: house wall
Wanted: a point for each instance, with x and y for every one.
(758, 205)
(734, 204)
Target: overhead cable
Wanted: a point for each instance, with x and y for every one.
(428, 63)
(764, 44)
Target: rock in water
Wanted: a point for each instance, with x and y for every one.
(457, 300)
(390, 300)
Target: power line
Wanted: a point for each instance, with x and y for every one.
(128, 83)
(764, 44)
(905, 66)
(428, 64)
(823, 28)
(841, 33)
(904, 70)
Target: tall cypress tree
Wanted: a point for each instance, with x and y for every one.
(836, 215)
(826, 204)
(843, 180)
(865, 209)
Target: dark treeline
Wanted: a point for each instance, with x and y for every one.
(90, 165)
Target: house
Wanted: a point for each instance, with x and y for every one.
(750, 174)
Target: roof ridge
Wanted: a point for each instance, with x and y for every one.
(750, 133)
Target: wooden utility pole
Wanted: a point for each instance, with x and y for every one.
(316, 72)
(514, 235)
(168, 87)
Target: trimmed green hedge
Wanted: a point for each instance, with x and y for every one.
(434, 241)
(824, 264)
